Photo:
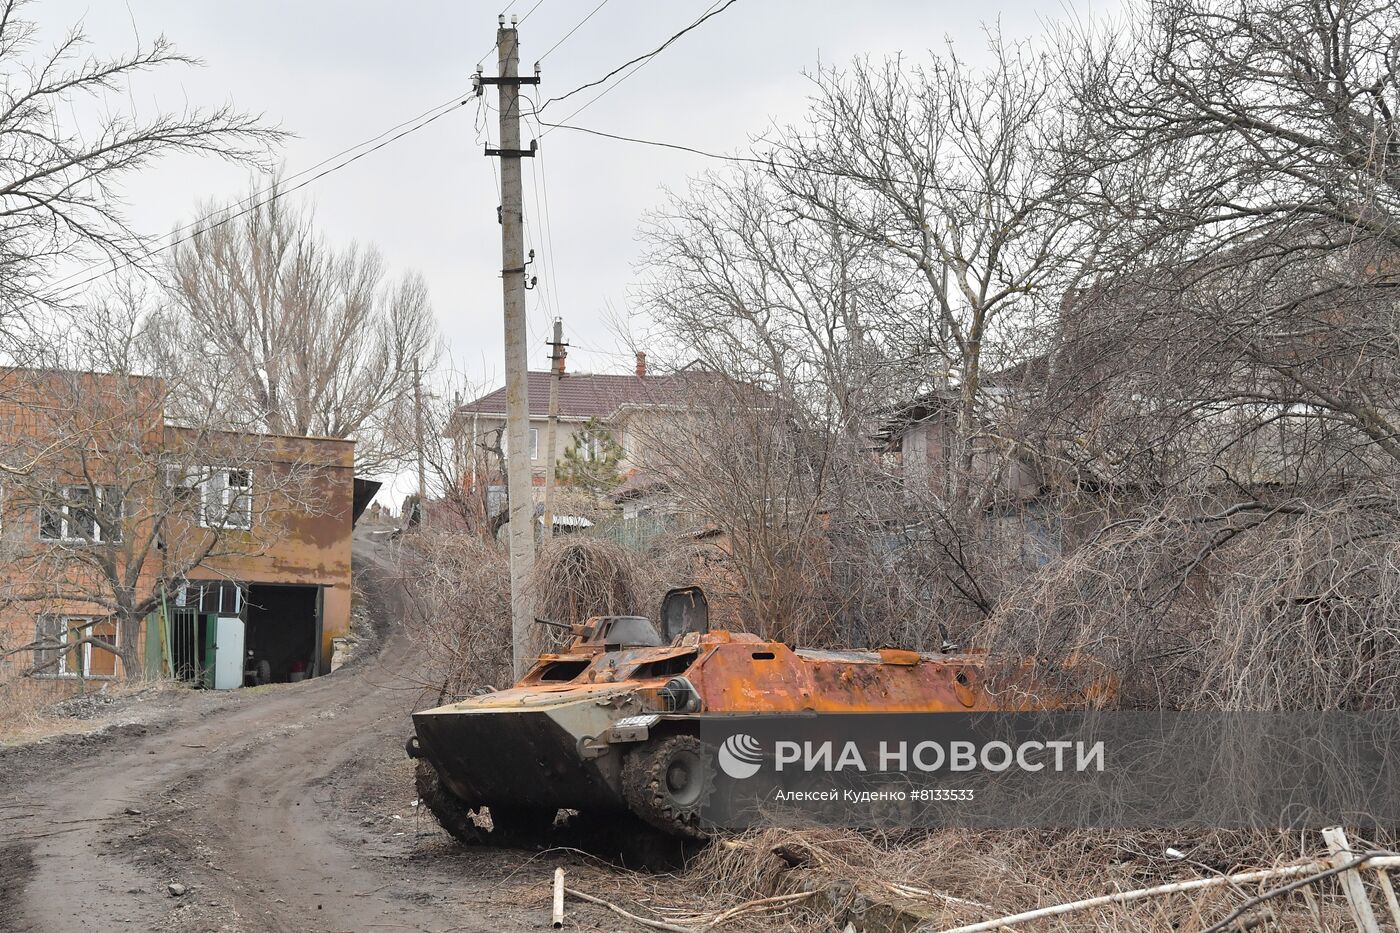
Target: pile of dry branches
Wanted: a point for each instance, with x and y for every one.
(456, 591)
(950, 878)
(457, 596)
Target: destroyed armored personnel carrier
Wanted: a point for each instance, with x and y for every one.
(608, 724)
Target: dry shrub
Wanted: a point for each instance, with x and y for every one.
(975, 876)
(32, 710)
(577, 577)
(1282, 605)
(26, 709)
(456, 590)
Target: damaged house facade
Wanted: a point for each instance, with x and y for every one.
(134, 546)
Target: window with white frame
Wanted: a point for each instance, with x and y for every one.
(228, 499)
(222, 495)
(82, 513)
(221, 597)
(534, 443)
(54, 658)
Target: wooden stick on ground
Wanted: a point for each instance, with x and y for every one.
(1236, 917)
(763, 903)
(706, 922)
(557, 916)
(1360, 904)
(1391, 904)
(1175, 887)
(1313, 909)
(654, 924)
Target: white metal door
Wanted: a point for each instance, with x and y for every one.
(228, 653)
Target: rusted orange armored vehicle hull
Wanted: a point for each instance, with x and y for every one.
(610, 722)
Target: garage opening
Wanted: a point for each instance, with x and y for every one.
(284, 631)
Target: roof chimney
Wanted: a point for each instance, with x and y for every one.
(641, 365)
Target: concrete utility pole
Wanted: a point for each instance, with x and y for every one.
(418, 439)
(556, 373)
(518, 480)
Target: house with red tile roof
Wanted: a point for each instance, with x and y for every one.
(630, 406)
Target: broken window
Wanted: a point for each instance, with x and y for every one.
(48, 642)
(53, 656)
(82, 513)
(224, 597)
(223, 494)
(184, 484)
(238, 499)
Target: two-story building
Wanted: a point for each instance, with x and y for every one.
(635, 409)
(130, 545)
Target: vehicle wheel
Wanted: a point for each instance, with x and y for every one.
(453, 815)
(264, 675)
(667, 783)
(521, 827)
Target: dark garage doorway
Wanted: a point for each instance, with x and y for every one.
(284, 629)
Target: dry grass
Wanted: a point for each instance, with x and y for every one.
(956, 877)
(33, 710)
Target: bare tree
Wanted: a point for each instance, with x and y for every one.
(915, 231)
(111, 508)
(298, 337)
(964, 179)
(1221, 398)
(60, 178)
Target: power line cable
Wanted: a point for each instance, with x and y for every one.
(572, 31)
(601, 94)
(551, 266)
(548, 297)
(540, 179)
(230, 217)
(712, 12)
(283, 180)
(615, 85)
(769, 162)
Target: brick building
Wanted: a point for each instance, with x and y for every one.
(130, 544)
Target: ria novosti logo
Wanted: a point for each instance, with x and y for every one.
(740, 756)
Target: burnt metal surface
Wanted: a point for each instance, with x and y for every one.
(683, 611)
(518, 758)
(550, 741)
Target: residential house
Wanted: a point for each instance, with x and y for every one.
(918, 437)
(635, 409)
(197, 553)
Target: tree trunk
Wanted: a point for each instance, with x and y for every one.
(964, 443)
(129, 645)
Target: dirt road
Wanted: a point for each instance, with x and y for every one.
(282, 808)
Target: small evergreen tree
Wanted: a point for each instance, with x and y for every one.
(591, 460)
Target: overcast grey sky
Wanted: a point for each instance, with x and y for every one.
(337, 72)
